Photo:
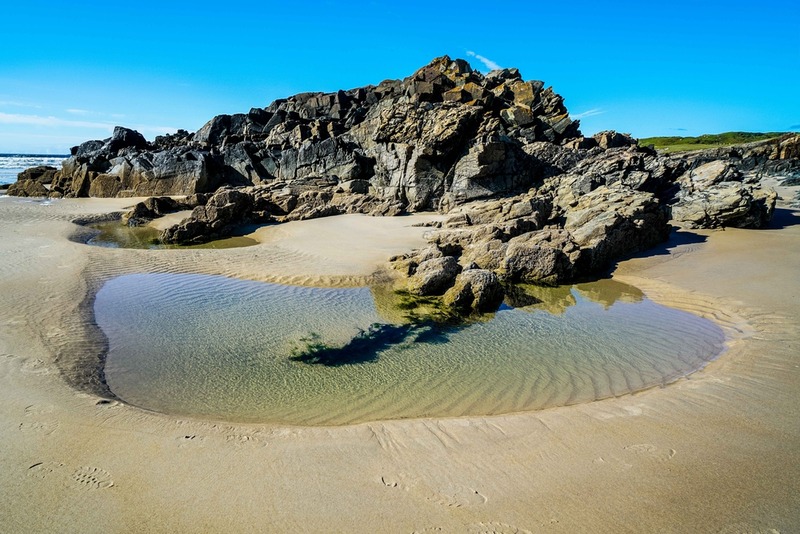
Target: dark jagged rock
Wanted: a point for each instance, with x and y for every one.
(226, 209)
(528, 197)
(125, 165)
(445, 131)
(154, 207)
(278, 202)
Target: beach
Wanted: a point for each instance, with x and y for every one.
(718, 451)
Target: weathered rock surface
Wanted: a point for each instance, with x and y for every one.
(446, 130)
(434, 276)
(528, 197)
(276, 202)
(727, 204)
(474, 290)
(33, 182)
(126, 165)
(153, 207)
(223, 211)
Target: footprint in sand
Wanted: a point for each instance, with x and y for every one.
(649, 450)
(92, 478)
(44, 469)
(190, 440)
(495, 527)
(244, 440)
(41, 427)
(35, 367)
(454, 496)
(398, 480)
(35, 409)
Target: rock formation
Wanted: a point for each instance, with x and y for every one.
(528, 198)
(444, 131)
(33, 182)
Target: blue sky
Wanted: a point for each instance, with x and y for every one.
(70, 71)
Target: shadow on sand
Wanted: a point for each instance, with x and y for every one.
(784, 218)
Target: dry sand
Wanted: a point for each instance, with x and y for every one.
(717, 452)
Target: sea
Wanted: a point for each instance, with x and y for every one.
(13, 164)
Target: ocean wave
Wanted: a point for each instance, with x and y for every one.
(13, 164)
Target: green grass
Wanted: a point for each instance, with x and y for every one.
(685, 144)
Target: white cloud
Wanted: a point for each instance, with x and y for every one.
(17, 104)
(488, 63)
(77, 111)
(50, 121)
(155, 130)
(589, 113)
(55, 122)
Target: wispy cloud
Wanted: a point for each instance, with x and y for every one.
(680, 129)
(794, 127)
(155, 130)
(588, 113)
(17, 104)
(488, 63)
(99, 114)
(56, 122)
(38, 120)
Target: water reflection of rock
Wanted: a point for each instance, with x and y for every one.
(606, 292)
(556, 300)
(115, 234)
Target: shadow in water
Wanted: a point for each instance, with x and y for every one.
(365, 346)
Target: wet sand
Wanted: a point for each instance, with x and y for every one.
(716, 452)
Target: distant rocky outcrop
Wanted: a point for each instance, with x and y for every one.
(33, 182)
(528, 198)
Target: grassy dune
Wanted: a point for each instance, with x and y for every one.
(685, 144)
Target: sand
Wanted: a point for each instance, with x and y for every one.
(716, 452)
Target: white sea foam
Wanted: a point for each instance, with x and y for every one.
(13, 164)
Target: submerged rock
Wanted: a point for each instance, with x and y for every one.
(474, 290)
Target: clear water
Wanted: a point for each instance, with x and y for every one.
(13, 164)
(115, 234)
(219, 348)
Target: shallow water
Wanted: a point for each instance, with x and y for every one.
(115, 234)
(220, 348)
